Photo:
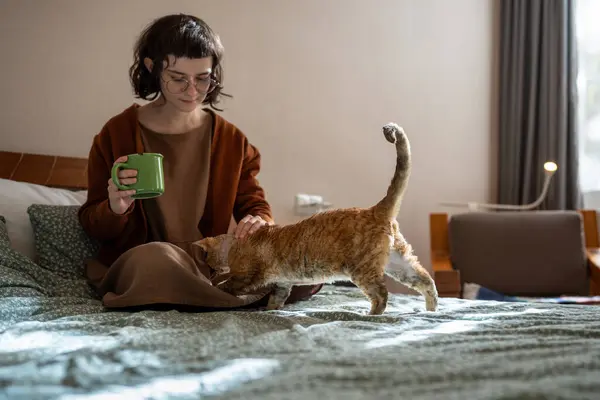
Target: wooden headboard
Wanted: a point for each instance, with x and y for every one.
(53, 171)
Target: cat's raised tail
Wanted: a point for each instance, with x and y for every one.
(389, 206)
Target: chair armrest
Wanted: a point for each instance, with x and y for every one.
(441, 263)
(593, 257)
(447, 279)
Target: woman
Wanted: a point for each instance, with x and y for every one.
(147, 254)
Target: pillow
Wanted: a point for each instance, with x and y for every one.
(22, 277)
(61, 244)
(15, 197)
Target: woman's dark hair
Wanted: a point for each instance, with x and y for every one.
(179, 35)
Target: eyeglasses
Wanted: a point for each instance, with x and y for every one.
(180, 85)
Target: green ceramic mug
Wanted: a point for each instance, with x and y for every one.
(150, 177)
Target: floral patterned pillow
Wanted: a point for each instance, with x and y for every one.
(61, 244)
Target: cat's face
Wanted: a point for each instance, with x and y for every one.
(217, 251)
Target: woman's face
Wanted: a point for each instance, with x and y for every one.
(185, 82)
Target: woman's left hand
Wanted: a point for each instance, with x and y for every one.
(248, 225)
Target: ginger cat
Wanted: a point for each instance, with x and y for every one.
(334, 245)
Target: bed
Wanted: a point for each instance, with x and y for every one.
(57, 341)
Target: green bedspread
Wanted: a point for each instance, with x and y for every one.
(57, 341)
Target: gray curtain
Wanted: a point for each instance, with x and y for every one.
(538, 103)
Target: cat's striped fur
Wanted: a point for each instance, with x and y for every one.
(360, 244)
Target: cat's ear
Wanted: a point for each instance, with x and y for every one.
(203, 244)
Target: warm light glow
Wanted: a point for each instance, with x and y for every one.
(550, 166)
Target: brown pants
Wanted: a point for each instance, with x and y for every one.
(160, 274)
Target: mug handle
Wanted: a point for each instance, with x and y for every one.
(114, 174)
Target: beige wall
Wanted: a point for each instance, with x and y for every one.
(313, 82)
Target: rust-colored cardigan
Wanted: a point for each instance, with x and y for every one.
(232, 189)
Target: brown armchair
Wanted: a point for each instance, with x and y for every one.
(520, 253)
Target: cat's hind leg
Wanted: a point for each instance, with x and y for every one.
(370, 281)
(279, 295)
(408, 271)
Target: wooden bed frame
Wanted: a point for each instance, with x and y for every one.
(53, 171)
(448, 279)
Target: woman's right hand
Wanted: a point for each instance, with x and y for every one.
(121, 200)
